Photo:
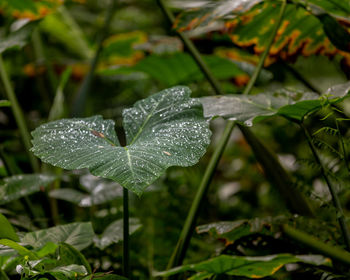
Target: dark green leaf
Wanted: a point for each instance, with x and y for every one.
(6, 229)
(253, 108)
(22, 185)
(104, 276)
(79, 235)
(69, 255)
(163, 130)
(253, 267)
(114, 233)
(99, 191)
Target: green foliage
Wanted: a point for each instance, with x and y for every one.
(6, 230)
(163, 130)
(251, 267)
(19, 186)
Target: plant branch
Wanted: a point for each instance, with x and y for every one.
(78, 109)
(18, 114)
(311, 242)
(126, 261)
(332, 190)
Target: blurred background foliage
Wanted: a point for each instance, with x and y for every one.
(139, 55)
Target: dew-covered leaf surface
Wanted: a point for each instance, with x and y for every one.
(163, 130)
(78, 235)
(114, 233)
(249, 109)
(252, 267)
(99, 191)
(22, 185)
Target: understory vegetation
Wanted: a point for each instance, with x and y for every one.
(174, 139)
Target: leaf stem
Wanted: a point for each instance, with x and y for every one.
(80, 100)
(185, 236)
(333, 252)
(332, 190)
(126, 249)
(18, 114)
(187, 230)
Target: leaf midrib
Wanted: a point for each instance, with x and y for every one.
(146, 120)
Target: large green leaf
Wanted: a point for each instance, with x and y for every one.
(22, 185)
(114, 233)
(248, 109)
(69, 255)
(6, 229)
(253, 267)
(17, 39)
(301, 32)
(19, 248)
(78, 235)
(99, 191)
(179, 68)
(163, 130)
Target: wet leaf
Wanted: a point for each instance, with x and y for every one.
(17, 39)
(19, 186)
(99, 191)
(6, 229)
(253, 267)
(249, 109)
(78, 235)
(114, 233)
(163, 130)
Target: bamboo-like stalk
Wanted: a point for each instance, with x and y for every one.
(332, 190)
(185, 236)
(18, 114)
(126, 261)
(311, 242)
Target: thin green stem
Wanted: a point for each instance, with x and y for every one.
(342, 144)
(187, 230)
(185, 236)
(332, 190)
(311, 242)
(193, 51)
(18, 114)
(126, 249)
(80, 102)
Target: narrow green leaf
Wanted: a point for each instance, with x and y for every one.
(252, 267)
(163, 130)
(78, 235)
(249, 109)
(20, 249)
(19, 186)
(6, 229)
(5, 103)
(114, 233)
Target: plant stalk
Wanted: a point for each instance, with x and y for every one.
(79, 104)
(311, 242)
(342, 144)
(187, 230)
(126, 249)
(18, 114)
(185, 236)
(332, 190)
